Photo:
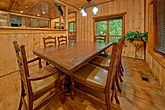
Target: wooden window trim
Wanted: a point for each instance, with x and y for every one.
(160, 58)
(106, 16)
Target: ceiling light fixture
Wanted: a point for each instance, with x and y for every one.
(88, 5)
(38, 14)
(43, 12)
(21, 11)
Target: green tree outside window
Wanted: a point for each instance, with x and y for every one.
(72, 27)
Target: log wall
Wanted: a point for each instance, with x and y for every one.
(32, 39)
(134, 21)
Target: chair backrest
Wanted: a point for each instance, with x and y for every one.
(72, 37)
(49, 41)
(62, 40)
(101, 37)
(114, 63)
(23, 66)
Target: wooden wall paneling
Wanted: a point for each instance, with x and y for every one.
(118, 6)
(83, 28)
(138, 16)
(99, 7)
(89, 28)
(86, 26)
(77, 25)
(113, 10)
(121, 8)
(104, 9)
(143, 13)
(109, 7)
(94, 30)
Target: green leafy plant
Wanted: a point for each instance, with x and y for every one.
(131, 36)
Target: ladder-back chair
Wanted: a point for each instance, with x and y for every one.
(99, 79)
(45, 81)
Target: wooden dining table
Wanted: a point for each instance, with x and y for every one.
(72, 56)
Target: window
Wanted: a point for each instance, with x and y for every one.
(72, 27)
(115, 30)
(159, 22)
(3, 20)
(101, 28)
(111, 26)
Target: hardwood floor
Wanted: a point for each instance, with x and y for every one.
(137, 92)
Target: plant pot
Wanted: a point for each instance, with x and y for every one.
(138, 43)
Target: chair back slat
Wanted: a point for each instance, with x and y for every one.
(101, 37)
(49, 41)
(62, 40)
(23, 66)
(114, 63)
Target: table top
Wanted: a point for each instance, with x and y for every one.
(68, 58)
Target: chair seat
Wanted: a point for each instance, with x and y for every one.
(101, 62)
(92, 75)
(47, 83)
(106, 54)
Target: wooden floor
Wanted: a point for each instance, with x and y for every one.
(137, 94)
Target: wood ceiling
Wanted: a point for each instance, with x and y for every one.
(79, 3)
(30, 7)
(37, 7)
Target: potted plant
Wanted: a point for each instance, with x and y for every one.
(137, 38)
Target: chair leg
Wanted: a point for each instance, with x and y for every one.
(72, 89)
(47, 63)
(30, 104)
(108, 101)
(63, 92)
(40, 66)
(20, 103)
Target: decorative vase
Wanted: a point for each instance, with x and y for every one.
(138, 43)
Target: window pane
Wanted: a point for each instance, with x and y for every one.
(115, 30)
(16, 21)
(101, 27)
(3, 20)
(74, 29)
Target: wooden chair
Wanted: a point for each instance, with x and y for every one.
(101, 37)
(49, 41)
(72, 37)
(104, 62)
(62, 40)
(99, 79)
(45, 81)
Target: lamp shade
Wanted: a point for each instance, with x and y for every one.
(95, 9)
(84, 14)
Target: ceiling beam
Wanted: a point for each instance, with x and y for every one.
(66, 4)
(105, 2)
(11, 4)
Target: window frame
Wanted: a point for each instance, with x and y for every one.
(151, 36)
(74, 22)
(151, 30)
(107, 18)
